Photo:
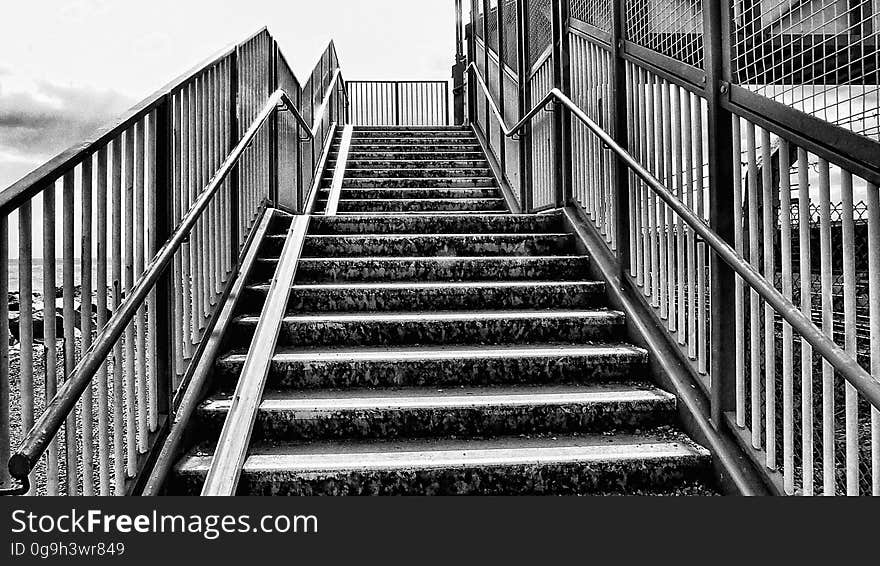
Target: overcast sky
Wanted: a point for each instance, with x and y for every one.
(68, 66)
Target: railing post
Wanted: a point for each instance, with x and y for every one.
(502, 144)
(234, 176)
(165, 332)
(488, 129)
(561, 115)
(471, 33)
(524, 100)
(716, 22)
(458, 69)
(272, 125)
(621, 123)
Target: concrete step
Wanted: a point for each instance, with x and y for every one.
(410, 155)
(584, 464)
(399, 164)
(422, 205)
(431, 297)
(440, 366)
(436, 141)
(439, 328)
(457, 412)
(411, 128)
(367, 134)
(416, 193)
(371, 269)
(417, 182)
(435, 224)
(428, 245)
(409, 148)
(395, 172)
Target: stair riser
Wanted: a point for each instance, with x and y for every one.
(411, 164)
(416, 182)
(372, 172)
(417, 141)
(426, 270)
(463, 134)
(332, 299)
(342, 246)
(534, 479)
(289, 425)
(287, 374)
(416, 194)
(420, 155)
(495, 224)
(408, 148)
(435, 332)
(421, 205)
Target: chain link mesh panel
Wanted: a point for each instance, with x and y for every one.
(510, 35)
(597, 13)
(493, 25)
(670, 27)
(540, 28)
(821, 57)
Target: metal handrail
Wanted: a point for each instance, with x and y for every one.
(38, 438)
(842, 362)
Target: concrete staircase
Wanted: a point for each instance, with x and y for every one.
(436, 344)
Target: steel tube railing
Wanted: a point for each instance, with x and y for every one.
(44, 430)
(848, 367)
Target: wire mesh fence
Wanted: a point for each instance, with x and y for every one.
(671, 27)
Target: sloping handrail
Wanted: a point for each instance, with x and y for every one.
(842, 362)
(38, 438)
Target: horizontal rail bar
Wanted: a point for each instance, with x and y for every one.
(44, 430)
(840, 360)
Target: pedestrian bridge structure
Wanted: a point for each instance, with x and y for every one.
(632, 247)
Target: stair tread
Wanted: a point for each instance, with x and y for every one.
(595, 315)
(328, 456)
(386, 353)
(467, 396)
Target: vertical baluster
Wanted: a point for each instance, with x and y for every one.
(769, 231)
(191, 280)
(85, 314)
(70, 428)
(754, 305)
(26, 319)
(5, 432)
(787, 340)
(101, 300)
(130, 377)
(664, 170)
(829, 486)
(152, 248)
(691, 251)
(702, 289)
(182, 285)
(850, 333)
(140, 344)
(116, 283)
(739, 295)
(804, 261)
(874, 318)
(50, 339)
(654, 291)
(644, 249)
(678, 148)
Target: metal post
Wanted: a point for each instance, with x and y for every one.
(561, 116)
(272, 125)
(470, 32)
(488, 129)
(235, 176)
(621, 122)
(501, 142)
(458, 68)
(716, 22)
(163, 200)
(525, 136)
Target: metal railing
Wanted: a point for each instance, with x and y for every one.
(399, 103)
(683, 172)
(186, 184)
